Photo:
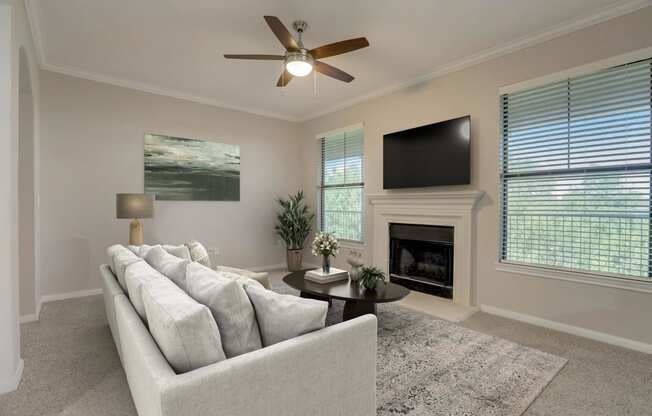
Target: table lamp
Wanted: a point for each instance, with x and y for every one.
(134, 206)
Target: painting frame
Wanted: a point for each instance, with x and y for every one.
(190, 169)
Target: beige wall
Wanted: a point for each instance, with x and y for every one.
(474, 91)
(15, 39)
(92, 136)
(26, 200)
(93, 139)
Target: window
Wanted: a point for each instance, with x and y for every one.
(575, 173)
(342, 185)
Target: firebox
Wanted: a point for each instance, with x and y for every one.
(421, 258)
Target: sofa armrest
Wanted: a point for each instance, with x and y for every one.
(327, 372)
(260, 277)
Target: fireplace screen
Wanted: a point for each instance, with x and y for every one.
(421, 258)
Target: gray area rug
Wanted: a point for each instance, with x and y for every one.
(427, 366)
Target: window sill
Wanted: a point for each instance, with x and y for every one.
(634, 285)
(352, 245)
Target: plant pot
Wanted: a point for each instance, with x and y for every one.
(294, 259)
(370, 284)
(354, 274)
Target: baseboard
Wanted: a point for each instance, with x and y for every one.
(32, 317)
(7, 386)
(25, 319)
(570, 329)
(71, 295)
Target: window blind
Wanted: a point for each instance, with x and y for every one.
(342, 185)
(575, 173)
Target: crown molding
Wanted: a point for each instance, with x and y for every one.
(487, 55)
(161, 91)
(564, 28)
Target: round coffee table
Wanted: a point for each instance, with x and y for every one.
(358, 301)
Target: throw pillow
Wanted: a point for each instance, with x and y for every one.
(121, 261)
(282, 317)
(199, 253)
(171, 266)
(230, 306)
(180, 251)
(134, 249)
(184, 330)
(112, 251)
(137, 275)
(143, 250)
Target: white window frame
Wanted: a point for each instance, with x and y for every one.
(349, 244)
(558, 273)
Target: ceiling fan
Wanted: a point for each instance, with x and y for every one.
(300, 61)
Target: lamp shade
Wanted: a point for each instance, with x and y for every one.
(134, 205)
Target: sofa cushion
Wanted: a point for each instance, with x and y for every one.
(171, 266)
(112, 251)
(137, 275)
(143, 250)
(180, 251)
(230, 305)
(121, 261)
(282, 317)
(184, 330)
(134, 249)
(199, 253)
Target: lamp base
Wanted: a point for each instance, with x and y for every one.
(135, 233)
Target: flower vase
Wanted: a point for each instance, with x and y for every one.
(326, 264)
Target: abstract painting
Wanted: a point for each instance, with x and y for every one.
(178, 169)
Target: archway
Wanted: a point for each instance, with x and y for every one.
(26, 193)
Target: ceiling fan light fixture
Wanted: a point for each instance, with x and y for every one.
(300, 61)
(299, 64)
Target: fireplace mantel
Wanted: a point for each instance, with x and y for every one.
(451, 208)
(466, 199)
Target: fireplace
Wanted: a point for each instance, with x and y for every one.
(421, 258)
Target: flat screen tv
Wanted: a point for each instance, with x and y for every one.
(432, 155)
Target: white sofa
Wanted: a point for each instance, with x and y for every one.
(331, 371)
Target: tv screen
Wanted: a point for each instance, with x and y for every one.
(432, 155)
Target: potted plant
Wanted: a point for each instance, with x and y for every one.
(370, 276)
(325, 245)
(293, 227)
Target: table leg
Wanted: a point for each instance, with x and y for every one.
(353, 309)
(311, 296)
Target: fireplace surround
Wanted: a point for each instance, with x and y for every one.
(444, 209)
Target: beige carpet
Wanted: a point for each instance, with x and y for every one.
(72, 368)
(431, 367)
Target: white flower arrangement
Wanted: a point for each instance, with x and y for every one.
(325, 244)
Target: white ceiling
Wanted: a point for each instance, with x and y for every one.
(175, 47)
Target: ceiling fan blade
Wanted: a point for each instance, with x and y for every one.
(284, 79)
(339, 48)
(333, 72)
(282, 33)
(259, 57)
